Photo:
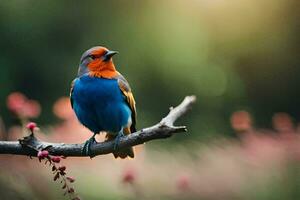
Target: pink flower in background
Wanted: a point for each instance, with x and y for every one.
(129, 176)
(32, 109)
(241, 121)
(16, 101)
(282, 122)
(62, 108)
(23, 107)
(69, 130)
(183, 182)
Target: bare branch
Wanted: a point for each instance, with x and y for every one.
(164, 129)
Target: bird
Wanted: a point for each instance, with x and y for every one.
(103, 101)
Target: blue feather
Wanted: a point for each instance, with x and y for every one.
(99, 104)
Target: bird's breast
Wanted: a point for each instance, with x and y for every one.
(99, 104)
(92, 89)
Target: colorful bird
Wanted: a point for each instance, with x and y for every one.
(102, 99)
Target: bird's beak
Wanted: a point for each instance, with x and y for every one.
(108, 55)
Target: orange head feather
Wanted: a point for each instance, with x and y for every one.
(97, 61)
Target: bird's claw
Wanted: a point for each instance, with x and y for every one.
(117, 140)
(86, 150)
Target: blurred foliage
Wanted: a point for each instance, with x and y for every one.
(259, 165)
(232, 55)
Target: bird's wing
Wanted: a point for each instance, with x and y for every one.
(71, 91)
(126, 90)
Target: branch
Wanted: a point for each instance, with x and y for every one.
(164, 129)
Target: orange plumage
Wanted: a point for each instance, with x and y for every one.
(100, 68)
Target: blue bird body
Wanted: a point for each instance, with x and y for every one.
(100, 104)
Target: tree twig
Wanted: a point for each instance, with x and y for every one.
(164, 129)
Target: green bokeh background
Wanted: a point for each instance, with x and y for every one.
(232, 55)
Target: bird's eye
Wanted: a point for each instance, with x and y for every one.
(92, 57)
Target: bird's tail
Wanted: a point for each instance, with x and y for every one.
(122, 153)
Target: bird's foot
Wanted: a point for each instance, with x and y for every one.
(86, 150)
(117, 140)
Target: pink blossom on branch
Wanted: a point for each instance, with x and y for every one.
(43, 154)
(55, 159)
(71, 179)
(31, 126)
